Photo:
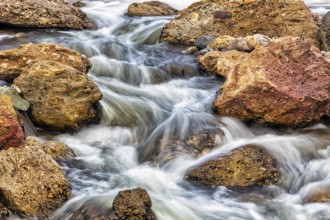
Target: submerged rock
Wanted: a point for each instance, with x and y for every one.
(134, 204)
(221, 62)
(285, 83)
(61, 97)
(151, 8)
(13, 62)
(42, 14)
(32, 184)
(240, 18)
(324, 33)
(243, 167)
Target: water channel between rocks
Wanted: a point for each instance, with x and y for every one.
(142, 103)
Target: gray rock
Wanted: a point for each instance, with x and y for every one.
(19, 103)
(202, 42)
(324, 33)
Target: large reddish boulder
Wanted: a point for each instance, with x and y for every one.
(285, 83)
(42, 14)
(239, 18)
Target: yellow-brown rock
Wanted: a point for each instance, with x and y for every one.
(240, 18)
(7, 106)
(61, 97)
(151, 8)
(42, 14)
(285, 83)
(243, 167)
(32, 184)
(221, 62)
(320, 194)
(13, 62)
(222, 42)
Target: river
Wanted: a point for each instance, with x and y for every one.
(142, 104)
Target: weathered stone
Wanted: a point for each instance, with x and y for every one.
(240, 18)
(243, 167)
(285, 83)
(222, 42)
(42, 14)
(6, 105)
(61, 97)
(18, 102)
(324, 33)
(4, 212)
(221, 62)
(318, 19)
(32, 184)
(13, 62)
(180, 70)
(11, 134)
(134, 204)
(202, 42)
(56, 149)
(152, 8)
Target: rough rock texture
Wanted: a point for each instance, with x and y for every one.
(79, 4)
(285, 83)
(221, 62)
(42, 14)
(61, 96)
(31, 183)
(13, 62)
(239, 18)
(18, 102)
(11, 134)
(4, 212)
(134, 204)
(202, 42)
(245, 166)
(324, 33)
(152, 8)
(56, 149)
(6, 105)
(318, 19)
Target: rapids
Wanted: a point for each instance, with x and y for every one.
(142, 103)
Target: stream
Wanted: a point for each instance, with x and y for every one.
(146, 100)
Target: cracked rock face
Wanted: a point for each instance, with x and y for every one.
(284, 84)
(42, 14)
(240, 18)
(243, 167)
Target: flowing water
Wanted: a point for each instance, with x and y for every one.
(152, 91)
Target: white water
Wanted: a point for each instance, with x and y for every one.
(142, 103)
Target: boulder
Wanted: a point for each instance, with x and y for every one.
(32, 184)
(151, 8)
(324, 33)
(56, 149)
(244, 167)
(13, 62)
(42, 14)
(134, 204)
(285, 84)
(61, 97)
(202, 42)
(221, 62)
(240, 18)
(7, 106)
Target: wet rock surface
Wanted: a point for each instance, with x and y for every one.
(32, 184)
(134, 204)
(240, 18)
(61, 96)
(243, 167)
(285, 84)
(318, 194)
(151, 8)
(42, 14)
(13, 62)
